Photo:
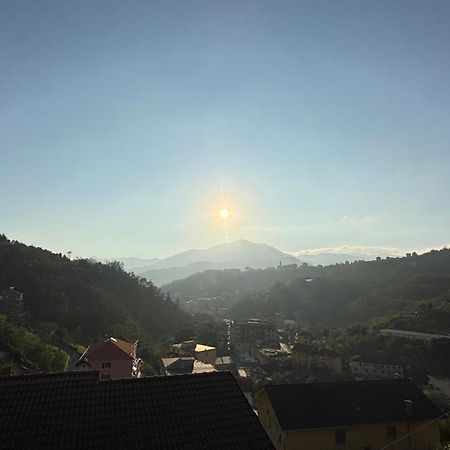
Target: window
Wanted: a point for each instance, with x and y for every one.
(106, 377)
(391, 432)
(340, 437)
(106, 365)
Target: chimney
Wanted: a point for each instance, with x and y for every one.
(409, 408)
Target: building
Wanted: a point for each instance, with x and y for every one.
(77, 411)
(365, 415)
(205, 353)
(185, 348)
(374, 371)
(311, 357)
(413, 335)
(184, 365)
(246, 335)
(287, 266)
(112, 358)
(224, 363)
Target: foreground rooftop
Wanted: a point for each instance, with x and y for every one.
(77, 411)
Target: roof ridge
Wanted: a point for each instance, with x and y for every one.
(81, 374)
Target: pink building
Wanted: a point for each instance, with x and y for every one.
(113, 358)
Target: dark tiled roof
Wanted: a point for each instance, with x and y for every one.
(76, 411)
(318, 405)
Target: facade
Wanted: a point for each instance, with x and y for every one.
(246, 335)
(76, 411)
(375, 371)
(184, 365)
(112, 358)
(311, 358)
(185, 348)
(358, 415)
(205, 353)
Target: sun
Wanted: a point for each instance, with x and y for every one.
(224, 213)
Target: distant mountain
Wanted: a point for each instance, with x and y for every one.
(234, 255)
(133, 264)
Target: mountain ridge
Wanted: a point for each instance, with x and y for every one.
(231, 255)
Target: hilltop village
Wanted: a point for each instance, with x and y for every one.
(268, 381)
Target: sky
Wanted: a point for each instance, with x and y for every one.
(126, 126)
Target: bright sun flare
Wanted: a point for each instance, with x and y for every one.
(224, 213)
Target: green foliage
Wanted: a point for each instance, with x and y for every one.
(24, 346)
(410, 293)
(86, 299)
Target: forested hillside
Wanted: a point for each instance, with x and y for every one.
(84, 299)
(413, 291)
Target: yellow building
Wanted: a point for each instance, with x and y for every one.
(311, 357)
(352, 415)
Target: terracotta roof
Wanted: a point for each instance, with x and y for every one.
(109, 349)
(77, 411)
(317, 405)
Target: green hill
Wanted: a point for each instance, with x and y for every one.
(82, 300)
(413, 291)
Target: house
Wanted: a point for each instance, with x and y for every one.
(184, 365)
(205, 353)
(112, 358)
(312, 357)
(224, 363)
(185, 348)
(245, 335)
(74, 410)
(374, 370)
(361, 415)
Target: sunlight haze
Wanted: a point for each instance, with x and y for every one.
(124, 125)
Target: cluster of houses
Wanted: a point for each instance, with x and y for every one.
(205, 398)
(106, 403)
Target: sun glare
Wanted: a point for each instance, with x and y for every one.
(224, 213)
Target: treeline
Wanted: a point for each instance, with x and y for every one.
(84, 298)
(233, 282)
(411, 292)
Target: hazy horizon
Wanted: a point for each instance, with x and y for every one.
(126, 128)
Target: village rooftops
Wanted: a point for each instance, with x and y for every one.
(77, 411)
(185, 365)
(336, 404)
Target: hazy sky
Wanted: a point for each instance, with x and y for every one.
(124, 125)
